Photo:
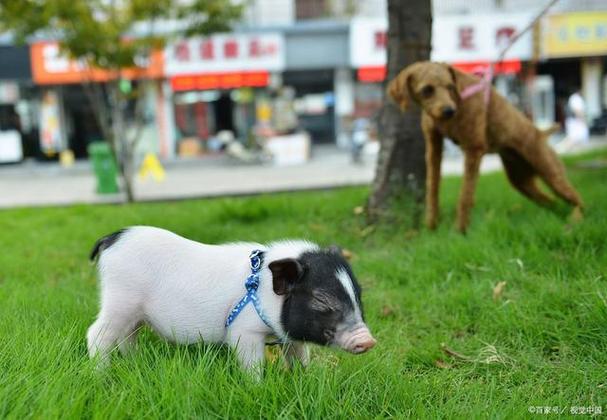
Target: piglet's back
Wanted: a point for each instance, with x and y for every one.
(140, 252)
(148, 257)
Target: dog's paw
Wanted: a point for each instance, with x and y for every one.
(462, 228)
(577, 215)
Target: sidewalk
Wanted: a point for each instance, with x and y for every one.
(39, 184)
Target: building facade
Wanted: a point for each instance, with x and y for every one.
(313, 65)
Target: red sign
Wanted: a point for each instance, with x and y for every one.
(504, 67)
(377, 74)
(372, 74)
(220, 81)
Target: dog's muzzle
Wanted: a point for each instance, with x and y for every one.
(447, 112)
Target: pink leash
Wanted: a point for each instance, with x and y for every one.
(483, 85)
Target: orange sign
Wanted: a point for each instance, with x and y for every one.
(51, 67)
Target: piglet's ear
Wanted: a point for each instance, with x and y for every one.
(285, 273)
(335, 249)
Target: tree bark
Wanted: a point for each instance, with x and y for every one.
(110, 118)
(401, 169)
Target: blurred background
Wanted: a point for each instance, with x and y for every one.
(287, 100)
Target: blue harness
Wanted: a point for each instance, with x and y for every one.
(252, 284)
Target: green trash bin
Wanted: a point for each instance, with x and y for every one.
(104, 166)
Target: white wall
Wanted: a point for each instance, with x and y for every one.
(476, 6)
(371, 8)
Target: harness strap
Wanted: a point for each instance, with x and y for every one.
(251, 286)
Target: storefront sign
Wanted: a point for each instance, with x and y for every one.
(464, 41)
(220, 81)
(225, 61)
(576, 34)
(368, 41)
(50, 65)
(225, 53)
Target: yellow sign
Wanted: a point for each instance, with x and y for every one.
(151, 166)
(264, 111)
(576, 34)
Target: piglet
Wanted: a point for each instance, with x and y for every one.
(238, 293)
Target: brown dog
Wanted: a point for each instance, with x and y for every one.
(484, 122)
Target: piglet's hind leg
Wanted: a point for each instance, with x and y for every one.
(111, 329)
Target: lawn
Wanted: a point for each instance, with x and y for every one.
(446, 346)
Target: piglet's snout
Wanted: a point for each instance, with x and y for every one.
(358, 340)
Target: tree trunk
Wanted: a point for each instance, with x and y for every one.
(401, 169)
(122, 147)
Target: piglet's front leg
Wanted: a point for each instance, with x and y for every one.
(249, 350)
(296, 351)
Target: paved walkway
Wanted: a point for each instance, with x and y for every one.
(38, 184)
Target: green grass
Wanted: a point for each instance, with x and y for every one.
(543, 343)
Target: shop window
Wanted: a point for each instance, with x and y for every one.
(9, 119)
(311, 9)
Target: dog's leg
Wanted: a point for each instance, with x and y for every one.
(552, 171)
(472, 163)
(522, 176)
(434, 156)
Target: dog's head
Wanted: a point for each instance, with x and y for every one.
(433, 86)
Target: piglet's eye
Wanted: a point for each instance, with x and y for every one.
(324, 302)
(321, 306)
(427, 91)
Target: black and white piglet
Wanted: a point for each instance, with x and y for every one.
(188, 291)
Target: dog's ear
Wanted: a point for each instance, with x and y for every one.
(285, 273)
(455, 79)
(399, 89)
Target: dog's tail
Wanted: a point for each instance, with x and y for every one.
(554, 128)
(104, 243)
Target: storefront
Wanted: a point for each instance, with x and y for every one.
(575, 49)
(18, 126)
(318, 71)
(470, 43)
(66, 116)
(222, 84)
